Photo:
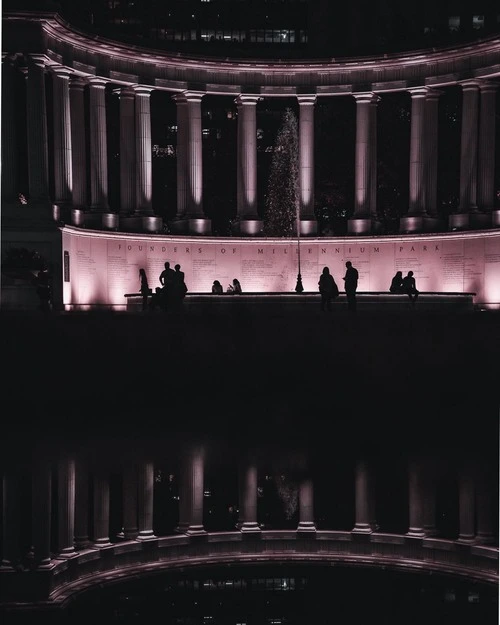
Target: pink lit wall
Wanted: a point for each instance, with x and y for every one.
(100, 267)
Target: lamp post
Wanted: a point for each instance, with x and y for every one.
(298, 287)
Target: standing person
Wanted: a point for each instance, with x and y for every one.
(350, 285)
(167, 278)
(410, 287)
(327, 288)
(43, 289)
(179, 288)
(397, 283)
(144, 288)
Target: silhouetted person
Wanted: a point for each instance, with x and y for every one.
(43, 289)
(397, 283)
(351, 285)
(156, 300)
(236, 286)
(144, 288)
(167, 278)
(327, 288)
(217, 288)
(179, 288)
(410, 287)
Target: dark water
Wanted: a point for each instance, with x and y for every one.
(292, 595)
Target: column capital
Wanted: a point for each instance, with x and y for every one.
(367, 97)
(61, 70)
(487, 86)
(98, 82)
(77, 83)
(434, 94)
(470, 85)
(418, 92)
(141, 89)
(40, 60)
(124, 92)
(243, 99)
(306, 99)
(188, 96)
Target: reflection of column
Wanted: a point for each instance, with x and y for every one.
(247, 475)
(431, 150)
(415, 499)
(362, 500)
(468, 146)
(63, 175)
(9, 133)
(466, 504)
(143, 155)
(182, 122)
(127, 151)
(363, 155)
(81, 504)
(191, 493)
(41, 512)
(78, 144)
(129, 494)
(306, 505)
(306, 155)
(10, 517)
(145, 483)
(247, 157)
(38, 170)
(98, 145)
(101, 509)
(486, 156)
(66, 507)
(417, 179)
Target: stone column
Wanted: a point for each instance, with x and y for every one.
(63, 175)
(42, 511)
(429, 497)
(9, 133)
(468, 147)
(36, 112)
(98, 146)
(363, 520)
(247, 478)
(143, 153)
(182, 122)
(66, 507)
(484, 503)
(308, 221)
(431, 131)
(10, 517)
(78, 143)
(145, 484)
(101, 509)
(486, 155)
(194, 165)
(127, 151)
(246, 166)
(130, 505)
(306, 505)
(466, 505)
(191, 493)
(81, 504)
(415, 496)
(363, 169)
(417, 180)
(373, 158)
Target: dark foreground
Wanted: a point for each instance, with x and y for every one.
(295, 373)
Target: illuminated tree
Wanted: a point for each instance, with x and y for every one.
(283, 186)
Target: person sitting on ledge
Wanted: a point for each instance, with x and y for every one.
(410, 288)
(397, 283)
(217, 288)
(236, 286)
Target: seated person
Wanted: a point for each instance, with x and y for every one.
(217, 287)
(409, 287)
(397, 283)
(236, 286)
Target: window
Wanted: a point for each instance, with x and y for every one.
(478, 22)
(454, 23)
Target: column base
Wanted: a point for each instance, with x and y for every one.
(101, 543)
(46, 565)
(249, 528)
(248, 227)
(415, 532)
(495, 219)
(178, 226)
(484, 539)
(480, 221)
(466, 539)
(458, 221)
(359, 225)
(430, 532)
(110, 221)
(67, 554)
(200, 226)
(306, 526)
(78, 217)
(148, 535)
(191, 530)
(411, 224)
(362, 528)
(152, 223)
(308, 227)
(82, 543)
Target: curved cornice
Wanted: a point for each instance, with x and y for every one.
(88, 55)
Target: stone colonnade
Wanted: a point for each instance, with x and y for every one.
(81, 515)
(477, 160)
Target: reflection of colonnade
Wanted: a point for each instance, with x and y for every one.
(72, 494)
(74, 170)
